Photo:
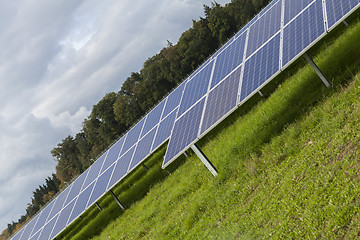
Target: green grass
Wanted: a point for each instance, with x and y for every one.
(289, 166)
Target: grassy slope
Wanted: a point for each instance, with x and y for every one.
(288, 168)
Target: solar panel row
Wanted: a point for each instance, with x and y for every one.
(273, 39)
(282, 32)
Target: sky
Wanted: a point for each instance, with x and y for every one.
(57, 60)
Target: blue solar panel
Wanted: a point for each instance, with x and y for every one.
(301, 32)
(29, 228)
(59, 203)
(76, 186)
(267, 7)
(185, 132)
(121, 168)
(263, 29)
(46, 231)
(153, 118)
(337, 9)
(43, 217)
(228, 60)
(246, 26)
(35, 236)
(100, 186)
(142, 149)
(18, 235)
(164, 130)
(293, 8)
(62, 220)
(132, 136)
(196, 88)
(260, 67)
(222, 48)
(81, 203)
(173, 100)
(221, 100)
(113, 154)
(94, 171)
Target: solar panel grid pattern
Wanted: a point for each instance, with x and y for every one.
(293, 8)
(94, 171)
(81, 203)
(100, 185)
(29, 228)
(76, 187)
(260, 67)
(196, 88)
(173, 100)
(302, 31)
(185, 131)
(263, 29)
(229, 59)
(132, 136)
(113, 154)
(62, 220)
(337, 9)
(121, 167)
(164, 130)
(46, 231)
(221, 100)
(59, 203)
(153, 118)
(298, 33)
(142, 149)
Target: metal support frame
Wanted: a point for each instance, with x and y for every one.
(316, 69)
(117, 200)
(98, 206)
(146, 168)
(345, 23)
(260, 93)
(186, 155)
(204, 159)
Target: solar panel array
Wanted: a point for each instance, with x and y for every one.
(272, 40)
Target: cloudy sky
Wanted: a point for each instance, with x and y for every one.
(58, 59)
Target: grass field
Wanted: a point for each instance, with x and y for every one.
(289, 166)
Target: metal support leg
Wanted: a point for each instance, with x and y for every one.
(316, 69)
(261, 94)
(98, 206)
(345, 23)
(204, 159)
(117, 200)
(186, 155)
(146, 168)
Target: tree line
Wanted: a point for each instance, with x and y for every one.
(116, 112)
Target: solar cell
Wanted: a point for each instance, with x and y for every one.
(293, 8)
(164, 130)
(223, 47)
(59, 203)
(247, 26)
(113, 154)
(94, 171)
(196, 88)
(76, 187)
(142, 149)
(185, 132)
(29, 228)
(267, 7)
(132, 136)
(42, 218)
(260, 67)
(173, 100)
(80, 204)
(264, 28)
(35, 236)
(46, 231)
(301, 32)
(229, 59)
(337, 9)
(153, 118)
(100, 186)
(18, 235)
(221, 100)
(62, 220)
(121, 168)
